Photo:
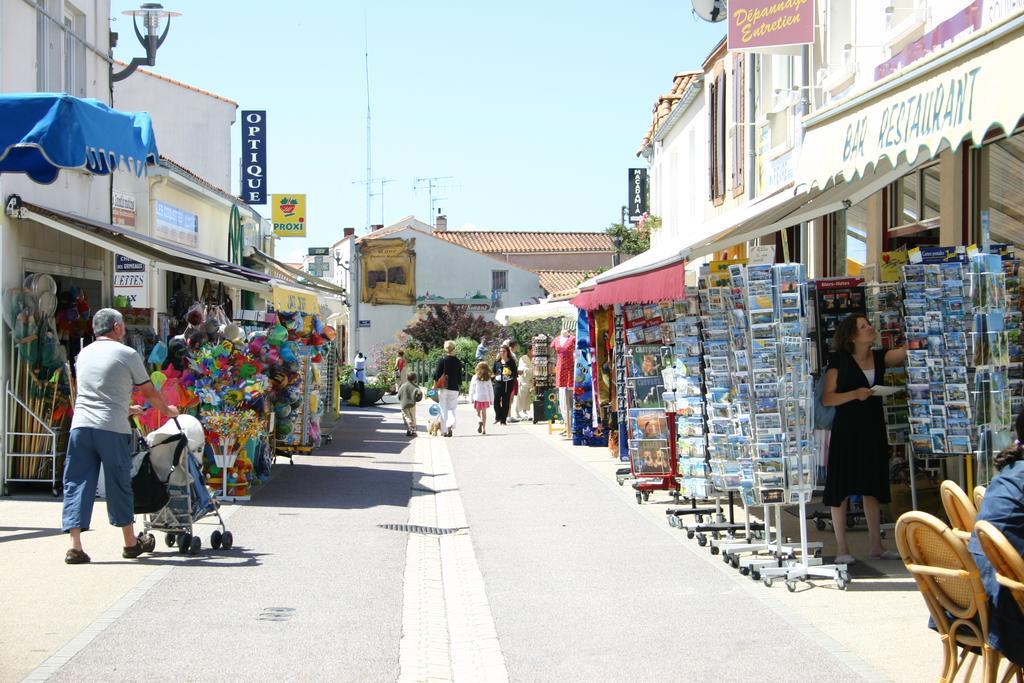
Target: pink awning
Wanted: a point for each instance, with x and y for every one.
(667, 283)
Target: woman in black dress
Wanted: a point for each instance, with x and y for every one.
(858, 454)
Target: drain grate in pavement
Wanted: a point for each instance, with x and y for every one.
(276, 614)
(417, 529)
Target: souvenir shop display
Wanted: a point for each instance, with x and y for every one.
(686, 381)
(545, 402)
(586, 430)
(619, 365)
(296, 382)
(834, 299)
(40, 393)
(649, 432)
(564, 346)
(958, 321)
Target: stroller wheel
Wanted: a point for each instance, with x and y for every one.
(227, 540)
(183, 541)
(215, 539)
(195, 545)
(170, 540)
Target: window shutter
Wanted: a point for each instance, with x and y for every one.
(720, 135)
(739, 115)
(712, 121)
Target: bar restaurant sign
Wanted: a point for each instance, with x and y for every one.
(762, 25)
(942, 106)
(288, 214)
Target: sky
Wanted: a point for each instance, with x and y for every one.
(534, 112)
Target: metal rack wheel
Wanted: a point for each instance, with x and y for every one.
(227, 540)
(819, 523)
(215, 539)
(767, 581)
(715, 550)
(755, 574)
(184, 541)
(726, 557)
(720, 518)
(195, 545)
(842, 580)
(56, 492)
(702, 540)
(700, 519)
(639, 498)
(791, 585)
(817, 552)
(735, 562)
(744, 571)
(690, 534)
(647, 495)
(170, 540)
(620, 481)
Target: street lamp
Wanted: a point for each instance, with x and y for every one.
(617, 244)
(152, 14)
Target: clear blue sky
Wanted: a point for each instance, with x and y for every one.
(536, 108)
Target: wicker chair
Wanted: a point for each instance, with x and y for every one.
(959, 509)
(1009, 568)
(950, 584)
(979, 495)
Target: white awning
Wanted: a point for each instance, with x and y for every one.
(522, 314)
(957, 94)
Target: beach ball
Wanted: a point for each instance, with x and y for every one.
(434, 410)
(277, 336)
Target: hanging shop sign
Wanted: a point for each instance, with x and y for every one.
(637, 193)
(318, 251)
(943, 106)
(122, 209)
(388, 272)
(254, 157)
(762, 25)
(131, 281)
(288, 214)
(289, 300)
(177, 225)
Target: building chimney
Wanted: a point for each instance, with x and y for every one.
(441, 224)
(375, 228)
(348, 232)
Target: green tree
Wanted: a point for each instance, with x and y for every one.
(443, 322)
(633, 241)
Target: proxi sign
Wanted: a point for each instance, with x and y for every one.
(762, 25)
(254, 157)
(288, 214)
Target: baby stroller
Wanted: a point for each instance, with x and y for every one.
(173, 450)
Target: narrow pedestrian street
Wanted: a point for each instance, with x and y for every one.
(512, 555)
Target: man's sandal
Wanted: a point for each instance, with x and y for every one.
(144, 543)
(74, 556)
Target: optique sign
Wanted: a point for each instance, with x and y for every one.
(254, 157)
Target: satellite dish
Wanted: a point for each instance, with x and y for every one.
(710, 10)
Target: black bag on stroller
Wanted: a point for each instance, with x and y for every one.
(149, 490)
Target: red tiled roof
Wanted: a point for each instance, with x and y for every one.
(527, 242)
(183, 85)
(561, 280)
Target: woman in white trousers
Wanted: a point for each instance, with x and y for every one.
(450, 368)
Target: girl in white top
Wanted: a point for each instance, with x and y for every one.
(481, 393)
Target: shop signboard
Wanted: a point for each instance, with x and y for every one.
(318, 251)
(288, 214)
(176, 225)
(637, 193)
(763, 25)
(288, 300)
(388, 272)
(364, 323)
(131, 281)
(254, 157)
(122, 209)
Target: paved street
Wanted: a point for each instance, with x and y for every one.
(527, 563)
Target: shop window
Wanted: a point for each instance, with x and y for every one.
(1001, 190)
(716, 136)
(48, 47)
(738, 123)
(919, 194)
(499, 280)
(74, 52)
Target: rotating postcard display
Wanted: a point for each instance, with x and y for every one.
(834, 300)
(584, 433)
(686, 380)
(759, 385)
(958, 321)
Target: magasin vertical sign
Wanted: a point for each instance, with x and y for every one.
(254, 157)
(637, 193)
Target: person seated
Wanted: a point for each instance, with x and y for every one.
(1003, 507)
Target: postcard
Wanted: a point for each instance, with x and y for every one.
(651, 456)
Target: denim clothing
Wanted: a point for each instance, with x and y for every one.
(1003, 507)
(87, 448)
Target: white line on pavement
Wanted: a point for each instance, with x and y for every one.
(447, 631)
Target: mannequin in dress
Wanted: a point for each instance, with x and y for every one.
(565, 349)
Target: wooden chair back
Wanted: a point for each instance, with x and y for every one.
(979, 495)
(1005, 559)
(959, 508)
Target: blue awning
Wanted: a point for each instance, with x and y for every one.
(41, 133)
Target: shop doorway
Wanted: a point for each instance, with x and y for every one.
(77, 300)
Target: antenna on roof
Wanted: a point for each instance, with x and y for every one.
(366, 61)
(433, 186)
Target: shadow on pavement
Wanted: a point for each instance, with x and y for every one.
(228, 559)
(26, 533)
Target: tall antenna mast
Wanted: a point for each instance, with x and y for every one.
(434, 186)
(366, 61)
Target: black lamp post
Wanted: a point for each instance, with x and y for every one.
(152, 14)
(617, 244)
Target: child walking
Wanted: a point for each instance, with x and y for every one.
(481, 393)
(408, 396)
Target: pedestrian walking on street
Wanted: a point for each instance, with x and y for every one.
(513, 349)
(399, 370)
(858, 454)
(101, 434)
(359, 375)
(524, 391)
(481, 351)
(408, 396)
(447, 381)
(505, 373)
(481, 393)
